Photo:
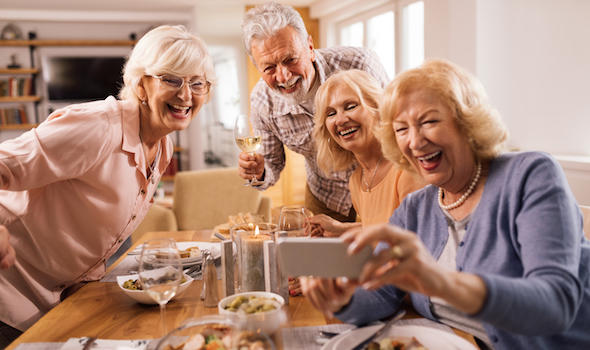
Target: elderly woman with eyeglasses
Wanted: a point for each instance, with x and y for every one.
(493, 245)
(75, 187)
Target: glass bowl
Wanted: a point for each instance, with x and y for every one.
(203, 332)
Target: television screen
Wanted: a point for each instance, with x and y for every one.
(83, 78)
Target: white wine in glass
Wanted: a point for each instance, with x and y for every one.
(249, 144)
(248, 140)
(160, 273)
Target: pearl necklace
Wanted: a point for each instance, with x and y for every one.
(370, 183)
(463, 198)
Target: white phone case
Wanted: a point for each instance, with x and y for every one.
(321, 257)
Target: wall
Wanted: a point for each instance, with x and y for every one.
(534, 59)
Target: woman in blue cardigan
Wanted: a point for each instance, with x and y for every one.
(493, 245)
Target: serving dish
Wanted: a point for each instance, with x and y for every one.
(141, 296)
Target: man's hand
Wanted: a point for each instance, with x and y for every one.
(7, 254)
(251, 165)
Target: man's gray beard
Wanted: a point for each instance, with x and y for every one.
(296, 97)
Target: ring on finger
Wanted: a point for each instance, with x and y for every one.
(396, 252)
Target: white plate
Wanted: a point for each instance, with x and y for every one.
(431, 338)
(141, 296)
(213, 247)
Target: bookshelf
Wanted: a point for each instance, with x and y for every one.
(17, 88)
(18, 85)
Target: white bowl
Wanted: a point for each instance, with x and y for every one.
(267, 321)
(141, 296)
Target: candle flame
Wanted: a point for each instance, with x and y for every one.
(256, 231)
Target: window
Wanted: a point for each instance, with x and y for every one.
(227, 103)
(395, 32)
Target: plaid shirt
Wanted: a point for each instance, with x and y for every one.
(281, 124)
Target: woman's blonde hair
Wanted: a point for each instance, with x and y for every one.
(166, 50)
(461, 92)
(330, 156)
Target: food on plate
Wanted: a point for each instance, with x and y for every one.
(396, 343)
(213, 337)
(190, 252)
(247, 218)
(222, 228)
(132, 284)
(135, 284)
(253, 341)
(251, 304)
(238, 219)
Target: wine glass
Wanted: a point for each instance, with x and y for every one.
(248, 140)
(293, 219)
(160, 272)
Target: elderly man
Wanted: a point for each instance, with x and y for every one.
(282, 102)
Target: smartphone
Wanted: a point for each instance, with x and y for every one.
(321, 257)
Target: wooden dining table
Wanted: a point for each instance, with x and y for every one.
(102, 310)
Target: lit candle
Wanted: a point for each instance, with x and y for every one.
(252, 260)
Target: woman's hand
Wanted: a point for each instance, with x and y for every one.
(251, 165)
(322, 225)
(7, 254)
(328, 295)
(294, 286)
(407, 264)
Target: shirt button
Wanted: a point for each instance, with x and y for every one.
(461, 244)
(460, 268)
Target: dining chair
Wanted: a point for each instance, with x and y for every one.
(586, 214)
(203, 199)
(158, 218)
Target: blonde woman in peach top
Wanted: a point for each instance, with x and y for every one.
(75, 187)
(346, 117)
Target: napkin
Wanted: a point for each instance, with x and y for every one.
(105, 344)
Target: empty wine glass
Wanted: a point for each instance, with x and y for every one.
(248, 140)
(160, 272)
(293, 219)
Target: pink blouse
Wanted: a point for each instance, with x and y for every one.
(73, 189)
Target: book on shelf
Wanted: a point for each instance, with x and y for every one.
(14, 87)
(14, 115)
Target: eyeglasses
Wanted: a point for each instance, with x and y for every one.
(198, 86)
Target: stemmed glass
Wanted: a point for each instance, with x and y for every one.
(248, 140)
(293, 219)
(160, 272)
